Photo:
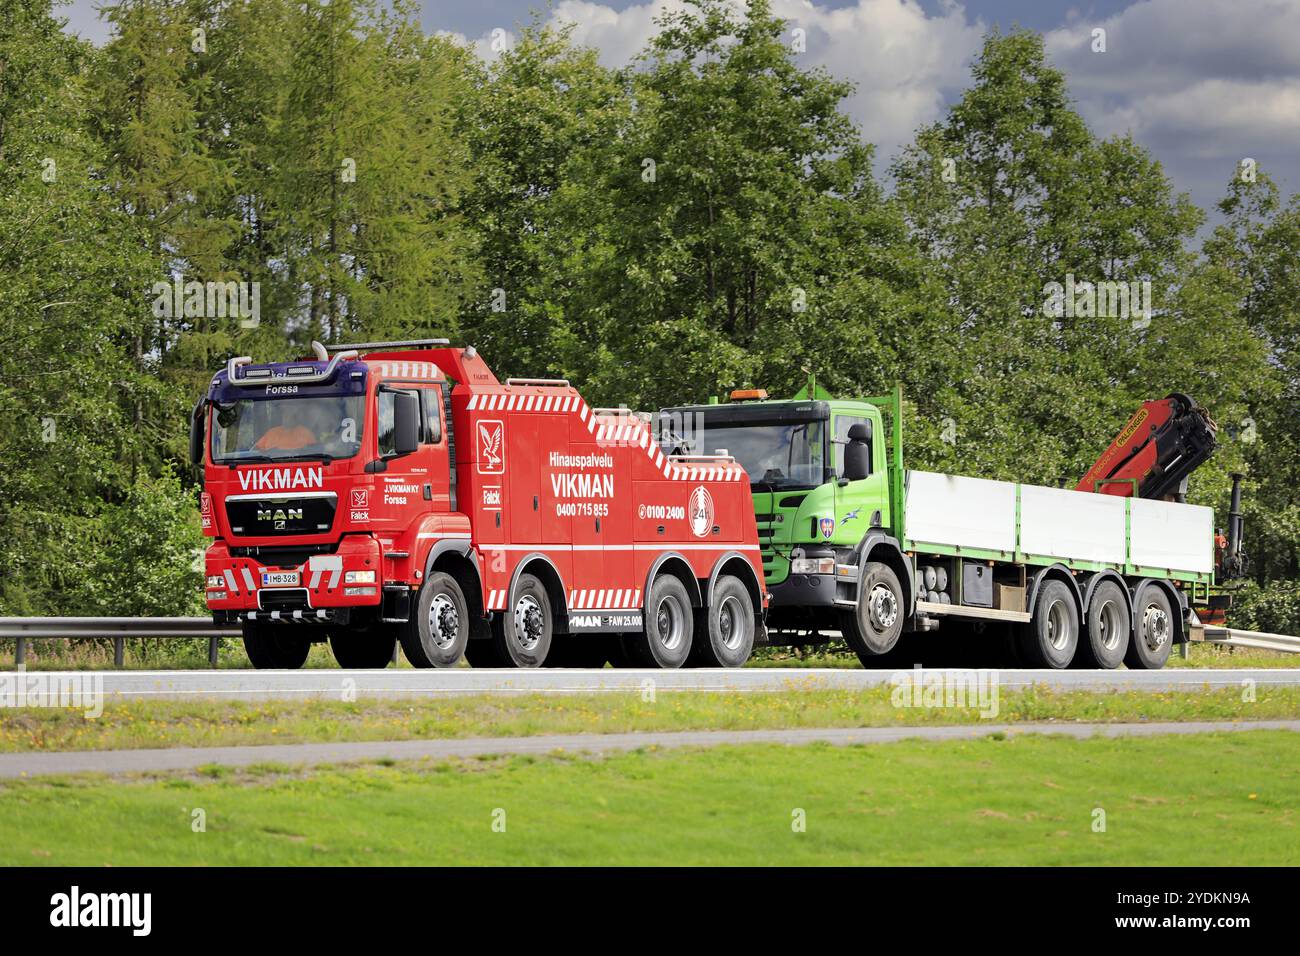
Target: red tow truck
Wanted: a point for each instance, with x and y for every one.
(397, 492)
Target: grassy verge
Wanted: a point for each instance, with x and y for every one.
(1205, 800)
(134, 724)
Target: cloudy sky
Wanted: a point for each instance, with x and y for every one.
(1201, 83)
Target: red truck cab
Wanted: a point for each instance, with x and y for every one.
(398, 492)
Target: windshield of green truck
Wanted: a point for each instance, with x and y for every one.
(287, 429)
(780, 456)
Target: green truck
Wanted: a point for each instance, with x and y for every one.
(853, 542)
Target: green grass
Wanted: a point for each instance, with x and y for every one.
(1202, 800)
(162, 723)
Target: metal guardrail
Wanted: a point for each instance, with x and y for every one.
(1283, 643)
(23, 629)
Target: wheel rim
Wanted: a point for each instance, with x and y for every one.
(670, 623)
(1111, 625)
(730, 616)
(1058, 626)
(882, 604)
(529, 623)
(1155, 626)
(444, 621)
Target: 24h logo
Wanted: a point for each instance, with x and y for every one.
(699, 512)
(491, 447)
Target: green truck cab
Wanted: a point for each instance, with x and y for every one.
(816, 497)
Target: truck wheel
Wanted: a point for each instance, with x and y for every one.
(669, 628)
(726, 626)
(1109, 624)
(873, 627)
(522, 632)
(364, 648)
(438, 631)
(1150, 646)
(1052, 637)
(271, 646)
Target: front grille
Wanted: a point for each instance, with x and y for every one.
(282, 598)
(274, 516)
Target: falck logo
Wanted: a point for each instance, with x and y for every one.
(491, 448)
(700, 512)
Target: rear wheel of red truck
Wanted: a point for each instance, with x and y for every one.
(1151, 643)
(725, 631)
(438, 631)
(275, 645)
(522, 632)
(669, 628)
(874, 626)
(1051, 637)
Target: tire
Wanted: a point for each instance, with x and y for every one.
(271, 646)
(1106, 638)
(1052, 637)
(483, 653)
(522, 633)
(1149, 648)
(725, 627)
(874, 626)
(438, 631)
(369, 648)
(667, 635)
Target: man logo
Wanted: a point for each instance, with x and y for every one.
(828, 527)
(491, 448)
(699, 512)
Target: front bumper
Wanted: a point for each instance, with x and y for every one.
(804, 590)
(319, 590)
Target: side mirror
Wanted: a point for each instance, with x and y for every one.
(857, 456)
(196, 431)
(406, 423)
(435, 420)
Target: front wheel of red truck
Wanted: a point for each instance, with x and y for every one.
(275, 646)
(522, 632)
(669, 628)
(438, 631)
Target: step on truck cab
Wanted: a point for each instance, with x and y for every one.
(855, 544)
(398, 493)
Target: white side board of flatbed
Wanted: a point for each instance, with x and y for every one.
(1010, 519)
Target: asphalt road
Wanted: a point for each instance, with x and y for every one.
(358, 684)
(188, 758)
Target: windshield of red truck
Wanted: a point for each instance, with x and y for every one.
(779, 456)
(287, 429)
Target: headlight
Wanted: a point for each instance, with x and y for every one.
(359, 577)
(215, 580)
(216, 595)
(358, 592)
(812, 566)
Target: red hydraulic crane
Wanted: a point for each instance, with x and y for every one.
(1151, 457)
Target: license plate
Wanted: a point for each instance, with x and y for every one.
(279, 579)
